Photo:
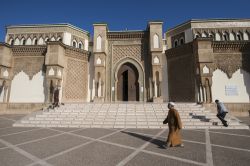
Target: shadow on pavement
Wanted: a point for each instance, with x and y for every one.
(157, 142)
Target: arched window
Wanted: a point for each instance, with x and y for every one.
(80, 45)
(40, 41)
(246, 36)
(217, 37)
(17, 41)
(231, 36)
(156, 41)
(197, 35)
(35, 41)
(238, 36)
(74, 43)
(211, 35)
(225, 36)
(175, 43)
(53, 39)
(204, 34)
(99, 43)
(11, 42)
(59, 39)
(29, 42)
(46, 39)
(181, 41)
(23, 41)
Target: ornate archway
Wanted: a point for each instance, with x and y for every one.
(127, 85)
(128, 73)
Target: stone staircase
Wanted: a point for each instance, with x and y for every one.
(125, 115)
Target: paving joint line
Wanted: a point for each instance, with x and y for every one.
(34, 129)
(229, 147)
(174, 158)
(40, 139)
(209, 155)
(24, 153)
(75, 147)
(132, 155)
(240, 135)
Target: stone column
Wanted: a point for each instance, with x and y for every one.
(5, 93)
(96, 89)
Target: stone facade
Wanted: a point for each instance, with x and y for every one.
(185, 66)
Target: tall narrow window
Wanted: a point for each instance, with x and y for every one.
(35, 41)
(238, 37)
(156, 41)
(74, 44)
(23, 41)
(181, 41)
(11, 42)
(176, 43)
(99, 43)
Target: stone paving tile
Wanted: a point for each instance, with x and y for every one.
(232, 141)
(128, 138)
(229, 131)
(28, 136)
(94, 154)
(5, 123)
(93, 132)
(191, 151)
(13, 116)
(230, 157)
(145, 131)
(14, 130)
(153, 160)
(2, 145)
(190, 135)
(51, 146)
(65, 129)
(9, 157)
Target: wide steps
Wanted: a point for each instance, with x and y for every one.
(124, 115)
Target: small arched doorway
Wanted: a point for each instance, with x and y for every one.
(127, 85)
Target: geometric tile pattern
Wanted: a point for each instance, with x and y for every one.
(76, 88)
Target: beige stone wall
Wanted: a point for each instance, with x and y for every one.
(181, 77)
(75, 81)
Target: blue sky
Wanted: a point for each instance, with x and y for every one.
(120, 15)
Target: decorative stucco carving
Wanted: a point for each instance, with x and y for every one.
(76, 87)
(133, 51)
(29, 50)
(228, 63)
(29, 65)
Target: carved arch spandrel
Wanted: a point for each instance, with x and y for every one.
(227, 63)
(30, 66)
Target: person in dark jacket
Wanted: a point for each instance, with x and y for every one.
(221, 112)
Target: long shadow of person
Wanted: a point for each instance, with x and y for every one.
(155, 141)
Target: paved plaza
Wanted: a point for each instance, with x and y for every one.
(21, 146)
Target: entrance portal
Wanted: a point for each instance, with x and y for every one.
(128, 86)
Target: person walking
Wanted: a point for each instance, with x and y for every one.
(174, 124)
(221, 112)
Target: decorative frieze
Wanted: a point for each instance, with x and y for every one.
(127, 35)
(133, 51)
(29, 50)
(29, 65)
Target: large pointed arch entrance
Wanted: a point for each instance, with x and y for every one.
(127, 85)
(128, 82)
